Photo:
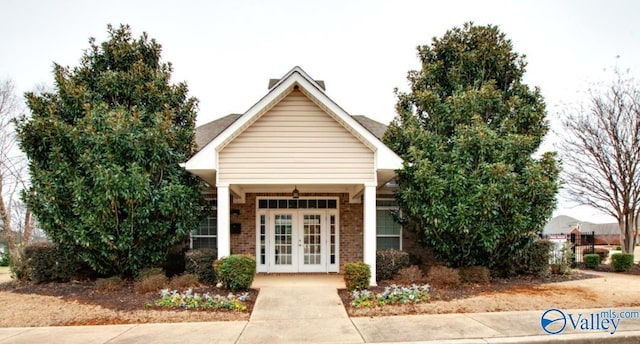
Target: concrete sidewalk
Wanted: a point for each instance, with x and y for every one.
(307, 309)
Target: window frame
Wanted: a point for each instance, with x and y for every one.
(213, 208)
(389, 208)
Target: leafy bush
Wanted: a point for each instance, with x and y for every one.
(389, 262)
(184, 281)
(109, 284)
(45, 262)
(236, 272)
(475, 274)
(357, 276)
(150, 283)
(529, 257)
(622, 261)
(618, 248)
(591, 261)
(200, 263)
(5, 259)
(602, 252)
(103, 150)
(443, 276)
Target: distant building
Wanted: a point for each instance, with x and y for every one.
(605, 233)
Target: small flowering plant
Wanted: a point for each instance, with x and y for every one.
(391, 295)
(191, 300)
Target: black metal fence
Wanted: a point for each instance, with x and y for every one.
(582, 244)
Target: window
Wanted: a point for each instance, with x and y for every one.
(205, 236)
(388, 231)
(297, 204)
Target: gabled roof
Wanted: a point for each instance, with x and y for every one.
(564, 224)
(218, 137)
(209, 131)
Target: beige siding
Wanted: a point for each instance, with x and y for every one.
(296, 142)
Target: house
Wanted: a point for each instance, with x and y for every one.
(297, 182)
(605, 233)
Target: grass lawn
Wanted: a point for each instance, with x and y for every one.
(4, 270)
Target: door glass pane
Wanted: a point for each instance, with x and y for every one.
(263, 239)
(283, 239)
(312, 243)
(332, 244)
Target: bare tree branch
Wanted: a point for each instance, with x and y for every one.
(13, 177)
(601, 154)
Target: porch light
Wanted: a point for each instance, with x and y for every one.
(295, 194)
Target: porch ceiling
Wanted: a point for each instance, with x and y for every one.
(239, 191)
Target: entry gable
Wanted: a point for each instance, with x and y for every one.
(296, 142)
(206, 162)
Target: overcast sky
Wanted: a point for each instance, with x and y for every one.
(227, 50)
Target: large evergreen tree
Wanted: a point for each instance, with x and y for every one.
(467, 132)
(103, 152)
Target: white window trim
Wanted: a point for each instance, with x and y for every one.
(209, 197)
(399, 235)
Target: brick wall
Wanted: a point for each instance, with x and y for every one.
(245, 242)
(351, 231)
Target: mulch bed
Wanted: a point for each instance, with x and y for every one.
(463, 291)
(125, 299)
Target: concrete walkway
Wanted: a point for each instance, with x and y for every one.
(307, 309)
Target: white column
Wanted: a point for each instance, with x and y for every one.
(370, 229)
(224, 244)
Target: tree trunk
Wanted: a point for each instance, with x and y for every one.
(627, 226)
(28, 227)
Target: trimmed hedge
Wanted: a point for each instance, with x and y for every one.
(389, 262)
(602, 252)
(591, 261)
(45, 262)
(622, 261)
(357, 276)
(235, 272)
(200, 263)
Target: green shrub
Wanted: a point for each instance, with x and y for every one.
(528, 255)
(45, 262)
(602, 252)
(236, 272)
(618, 248)
(591, 261)
(622, 261)
(475, 275)
(109, 284)
(389, 262)
(357, 276)
(5, 259)
(443, 276)
(199, 262)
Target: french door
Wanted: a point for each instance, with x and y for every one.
(301, 241)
